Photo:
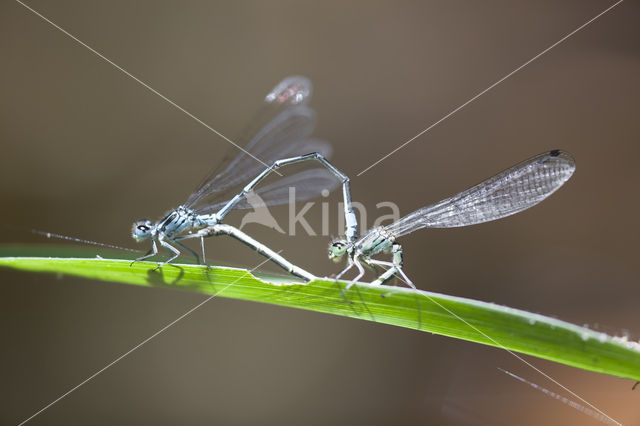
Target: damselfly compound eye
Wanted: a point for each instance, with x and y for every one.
(337, 249)
(141, 230)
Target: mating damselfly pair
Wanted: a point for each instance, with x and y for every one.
(282, 137)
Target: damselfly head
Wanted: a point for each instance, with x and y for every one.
(141, 230)
(337, 249)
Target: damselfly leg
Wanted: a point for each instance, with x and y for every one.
(509, 192)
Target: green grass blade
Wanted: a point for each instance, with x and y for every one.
(451, 316)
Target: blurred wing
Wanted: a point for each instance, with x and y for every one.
(301, 186)
(219, 198)
(514, 190)
(279, 131)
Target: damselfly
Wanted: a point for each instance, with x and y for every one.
(511, 191)
(280, 137)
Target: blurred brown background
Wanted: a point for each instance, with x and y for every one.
(86, 150)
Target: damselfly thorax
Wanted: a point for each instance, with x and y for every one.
(377, 240)
(182, 220)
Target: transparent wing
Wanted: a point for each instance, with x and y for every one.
(514, 190)
(280, 130)
(277, 139)
(221, 195)
(301, 186)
